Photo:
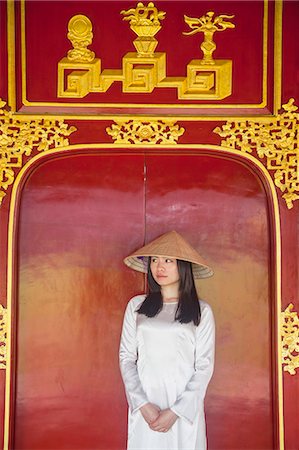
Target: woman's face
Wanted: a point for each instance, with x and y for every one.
(165, 271)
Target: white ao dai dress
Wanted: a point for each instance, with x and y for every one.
(170, 365)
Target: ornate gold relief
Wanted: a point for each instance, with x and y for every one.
(19, 137)
(80, 34)
(290, 339)
(145, 22)
(208, 73)
(276, 139)
(145, 70)
(86, 76)
(3, 337)
(208, 26)
(143, 132)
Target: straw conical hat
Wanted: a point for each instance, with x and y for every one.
(171, 245)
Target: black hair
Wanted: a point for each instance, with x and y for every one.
(188, 309)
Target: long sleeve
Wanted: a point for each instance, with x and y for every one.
(188, 403)
(128, 358)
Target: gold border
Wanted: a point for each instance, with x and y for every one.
(11, 56)
(277, 56)
(220, 150)
(261, 105)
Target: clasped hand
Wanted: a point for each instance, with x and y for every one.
(158, 420)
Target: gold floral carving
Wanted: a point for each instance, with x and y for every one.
(206, 79)
(276, 139)
(3, 336)
(290, 339)
(19, 138)
(143, 132)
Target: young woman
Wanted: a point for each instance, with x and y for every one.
(167, 349)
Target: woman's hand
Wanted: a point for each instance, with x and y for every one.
(164, 421)
(150, 412)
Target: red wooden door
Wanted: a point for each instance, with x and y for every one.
(63, 287)
(79, 216)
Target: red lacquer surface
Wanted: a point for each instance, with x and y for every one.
(80, 215)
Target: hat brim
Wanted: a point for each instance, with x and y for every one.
(140, 264)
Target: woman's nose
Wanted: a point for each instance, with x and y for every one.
(160, 266)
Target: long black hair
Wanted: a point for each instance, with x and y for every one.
(188, 309)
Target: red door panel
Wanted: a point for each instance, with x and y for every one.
(220, 206)
(80, 216)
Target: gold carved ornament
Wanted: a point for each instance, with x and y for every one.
(207, 79)
(3, 337)
(290, 339)
(19, 138)
(145, 132)
(208, 25)
(276, 140)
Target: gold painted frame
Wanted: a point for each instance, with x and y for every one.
(273, 203)
(225, 107)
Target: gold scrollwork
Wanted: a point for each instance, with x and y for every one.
(277, 139)
(290, 339)
(145, 70)
(19, 137)
(145, 132)
(3, 337)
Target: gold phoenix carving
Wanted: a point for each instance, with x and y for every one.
(290, 339)
(19, 138)
(3, 337)
(80, 73)
(143, 132)
(276, 140)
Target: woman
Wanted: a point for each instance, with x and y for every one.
(167, 348)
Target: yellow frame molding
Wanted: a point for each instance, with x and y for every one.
(276, 87)
(167, 148)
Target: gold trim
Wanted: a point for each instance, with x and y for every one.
(277, 55)
(3, 337)
(261, 105)
(145, 132)
(19, 138)
(11, 57)
(276, 140)
(290, 339)
(187, 147)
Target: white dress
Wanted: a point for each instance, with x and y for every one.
(170, 365)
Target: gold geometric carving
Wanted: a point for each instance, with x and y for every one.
(144, 132)
(277, 139)
(290, 339)
(80, 72)
(19, 137)
(3, 337)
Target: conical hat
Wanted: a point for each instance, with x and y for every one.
(171, 245)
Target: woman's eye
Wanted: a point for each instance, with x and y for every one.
(169, 260)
